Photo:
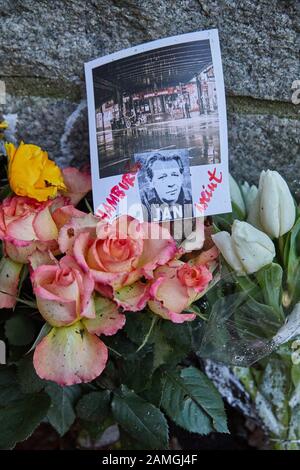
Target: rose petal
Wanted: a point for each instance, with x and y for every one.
(21, 254)
(62, 215)
(156, 307)
(38, 258)
(81, 246)
(70, 355)
(206, 257)
(44, 226)
(78, 184)
(173, 295)
(133, 297)
(86, 286)
(68, 232)
(108, 319)
(22, 228)
(9, 280)
(156, 251)
(104, 290)
(56, 312)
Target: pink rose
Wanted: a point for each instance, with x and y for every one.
(27, 225)
(78, 184)
(63, 292)
(119, 255)
(195, 277)
(72, 352)
(176, 286)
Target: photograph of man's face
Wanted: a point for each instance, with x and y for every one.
(166, 177)
(165, 184)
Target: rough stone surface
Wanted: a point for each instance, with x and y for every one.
(259, 38)
(44, 45)
(259, 142)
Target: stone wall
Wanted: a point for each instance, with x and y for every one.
(44, 44)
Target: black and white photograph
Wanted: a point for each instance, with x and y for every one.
(165, 184)
(155, 101)
(160, 99)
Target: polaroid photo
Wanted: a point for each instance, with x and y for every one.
(158, 130)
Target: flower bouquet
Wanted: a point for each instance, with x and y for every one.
(101, 322)
(118, 326)
(255, 311)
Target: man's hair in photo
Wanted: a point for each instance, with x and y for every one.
(162, 158)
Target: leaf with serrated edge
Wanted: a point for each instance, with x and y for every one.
(191, 400)
(140, 419)
(21, 417)
(61, 413)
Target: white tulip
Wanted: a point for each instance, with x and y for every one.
(236, 196)
(225, 244)
(249, 194)
(254, 213)
(247, 250)
(273, 209)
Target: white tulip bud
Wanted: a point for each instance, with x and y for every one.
(273, 209)
(247, 250)
(249, 194)
(236, 196)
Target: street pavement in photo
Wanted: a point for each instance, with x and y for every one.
(199, 134)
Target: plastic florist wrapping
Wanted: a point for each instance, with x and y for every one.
(250, 338)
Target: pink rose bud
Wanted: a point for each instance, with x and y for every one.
(63, 292)
(175, 287)
(27, 225)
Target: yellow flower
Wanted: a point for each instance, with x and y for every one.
(31, 173)
(3, 127)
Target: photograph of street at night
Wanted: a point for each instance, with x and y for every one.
(162, 99)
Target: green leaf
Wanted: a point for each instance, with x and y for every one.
(9, 386)
(136, 371)
(153, 393)
(140, 419)
(46, 328)
(172, 342)
(270, 281)
(237, 212)
(163, 351)
(20, 330)
(120, 345)
(30, 382)
(21, 417)
(94, 430)
(137, 326)
(292, 262)
(192, 401)
(223, 222)
(94, 406)
(5, 191)
(61, 413)
(23, 276)
(127, 442)
(295, 374)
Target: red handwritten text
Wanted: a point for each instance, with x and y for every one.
(207, 193)
(117, 193)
